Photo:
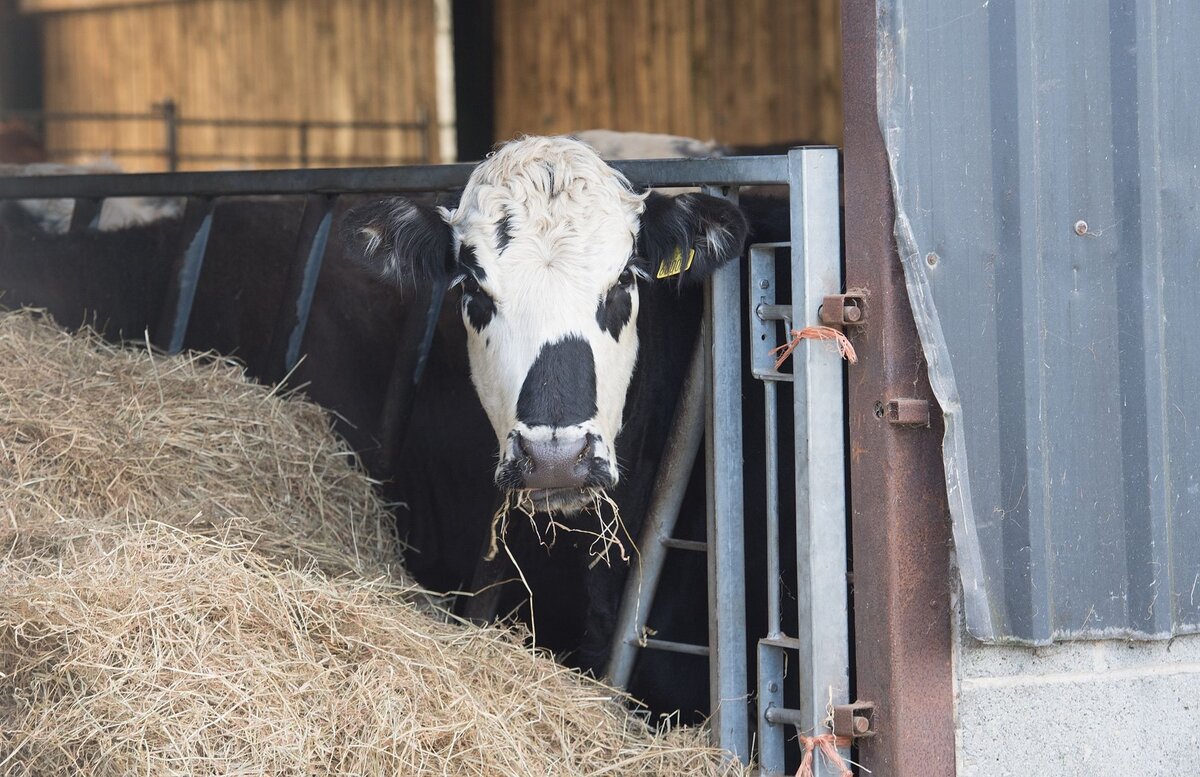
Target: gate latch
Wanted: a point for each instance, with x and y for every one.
(842, 310)
(855, 720)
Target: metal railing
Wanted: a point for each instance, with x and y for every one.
(711, 406)
(174, 154)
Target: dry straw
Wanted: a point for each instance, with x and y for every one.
(196, 578)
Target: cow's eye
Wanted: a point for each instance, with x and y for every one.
(627, 277)
(471, 286)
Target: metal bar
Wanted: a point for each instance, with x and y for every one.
(782, 716)
(772, 737)
(901, 525)
(288, 333)
(726, 536)
(683, 445)
(177, 309)
(821, 544)
(771, 419)
(85, 214)
(159, 153)
(693, 545)
(304, 160)
(325, 159)
(740, 171)
(380, 126)
(59, 152)
(772, 657)
(44, 116)
(170, 114)
(675, 647)
(763, 338)
(774, 312)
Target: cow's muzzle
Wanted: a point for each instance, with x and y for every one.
(558, 470)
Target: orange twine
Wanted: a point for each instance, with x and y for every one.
(816, 333)
(828, 743)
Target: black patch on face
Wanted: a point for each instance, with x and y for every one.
(470, 262)
(560, 389)
(615, 309)
(503, 233)
(480, 309)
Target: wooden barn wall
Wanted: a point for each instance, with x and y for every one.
(362, 60)
(738, 71)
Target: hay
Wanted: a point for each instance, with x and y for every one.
(605, 537)
(93, 436)
(197, 580)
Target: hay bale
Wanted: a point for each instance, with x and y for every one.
(94, 436)
(269, 635)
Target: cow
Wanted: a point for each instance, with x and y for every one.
(578, 298)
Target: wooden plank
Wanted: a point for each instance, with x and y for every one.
(739, 71)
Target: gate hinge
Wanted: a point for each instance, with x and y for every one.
(843, 310)
(855, 720)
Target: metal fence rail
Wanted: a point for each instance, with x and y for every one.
(821, 646)
(168, 114)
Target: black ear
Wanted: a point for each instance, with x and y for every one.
(407, 244)
(686, 238)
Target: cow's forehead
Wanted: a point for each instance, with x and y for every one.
(554, 189)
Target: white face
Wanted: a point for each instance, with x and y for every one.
(545, 240)
(543, 248)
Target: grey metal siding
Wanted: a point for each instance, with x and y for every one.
(1045, 167)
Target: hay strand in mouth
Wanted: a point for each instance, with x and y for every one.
(606, 537)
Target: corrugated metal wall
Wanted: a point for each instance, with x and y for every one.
(1046, 161)
(341, 60)
(738, 71)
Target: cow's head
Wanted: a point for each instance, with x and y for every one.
(547, 248)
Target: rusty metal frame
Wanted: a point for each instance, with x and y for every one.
(900, 523)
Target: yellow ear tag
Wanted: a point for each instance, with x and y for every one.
(669, 268)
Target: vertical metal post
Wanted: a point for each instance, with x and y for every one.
(726, 559)
(314, 235)
(193, 241)
(902, 613)
(773, 648)
(86, 213)
(170, 112)
(821, 548)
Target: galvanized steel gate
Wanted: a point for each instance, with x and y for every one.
(710, 406)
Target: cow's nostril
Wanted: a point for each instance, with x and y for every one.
(557, 462)
(589, 448)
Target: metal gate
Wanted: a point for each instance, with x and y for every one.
(711, 407)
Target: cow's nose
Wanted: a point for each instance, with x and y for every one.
(557, 463)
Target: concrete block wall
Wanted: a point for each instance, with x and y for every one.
(1083, 708)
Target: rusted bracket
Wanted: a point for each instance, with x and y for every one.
(908, 412)
(842, 310)
(855, 720)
